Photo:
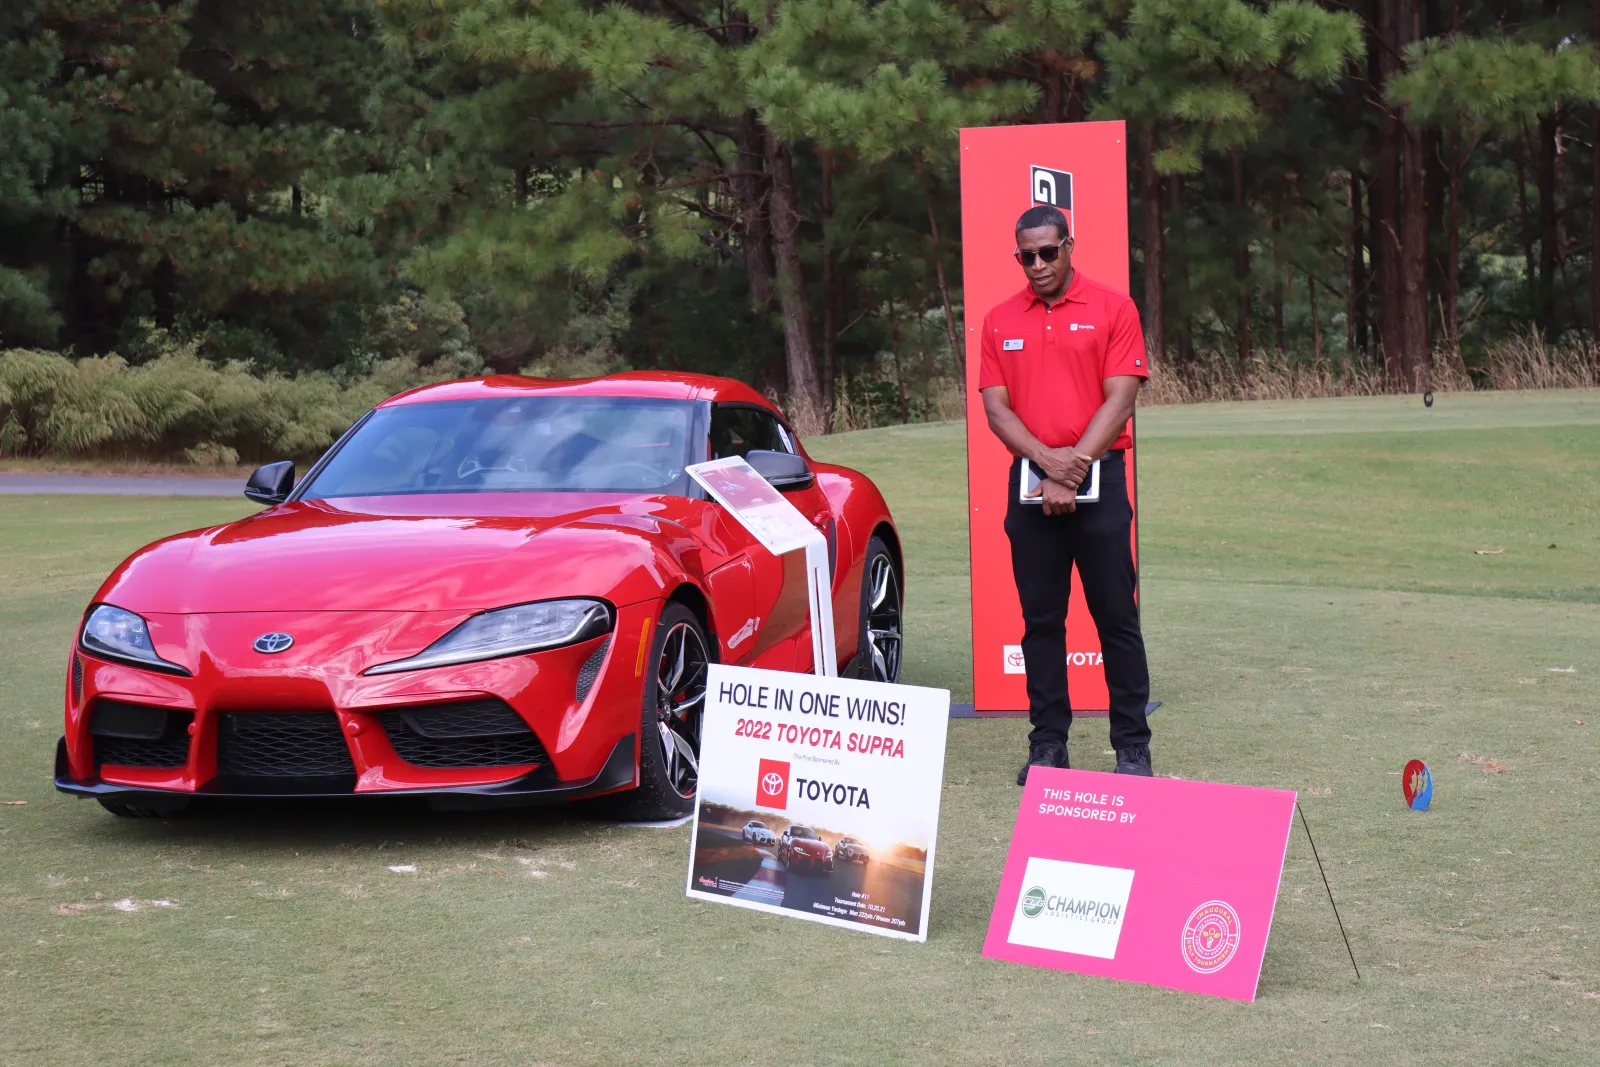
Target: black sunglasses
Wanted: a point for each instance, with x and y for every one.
(1048, 253)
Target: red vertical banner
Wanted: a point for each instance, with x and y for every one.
(1081, 168)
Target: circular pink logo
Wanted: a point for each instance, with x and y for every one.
(1210, 937)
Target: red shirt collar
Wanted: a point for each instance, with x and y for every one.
(1074, 294)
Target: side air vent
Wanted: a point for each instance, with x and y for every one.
(139, 735)
(77, 679)
(471, 733)
(590, 672)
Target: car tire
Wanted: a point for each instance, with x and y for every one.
(882, 616)
(124, 810)
(661, 793)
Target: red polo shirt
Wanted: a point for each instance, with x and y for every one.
(1053, 366)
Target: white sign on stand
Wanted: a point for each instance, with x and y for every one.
(819, 798)
(781, 529)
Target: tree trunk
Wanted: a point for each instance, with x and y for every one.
(899, 375)
(1549, 238)
(1386, 192)
(1279, 276)
(1355, 306)
(805, 393)
(956, 348)
(1415, 362)
(1436, 179)
(830, 336)
(1180, 274)
(1529, 266)
(1316, 324)
(1155, 276)
(1241, 261)
(1452, 255)
(1594, 217)
(755, 232)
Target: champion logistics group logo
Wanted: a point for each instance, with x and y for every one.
(1071, 907)
(772, 784)
(1033, 902)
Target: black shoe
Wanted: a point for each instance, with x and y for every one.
(1044, 754)
(1135, 759)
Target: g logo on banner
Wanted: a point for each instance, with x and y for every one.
(1033, 902)
(772, 784)
(1053, 187)
(1210, 937)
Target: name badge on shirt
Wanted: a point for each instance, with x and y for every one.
(1013, 344)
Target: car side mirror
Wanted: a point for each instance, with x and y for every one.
(784, 470)
(271, 484)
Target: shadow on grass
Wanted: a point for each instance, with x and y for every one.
(375, 821)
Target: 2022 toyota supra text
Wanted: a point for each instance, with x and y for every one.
(496, 591)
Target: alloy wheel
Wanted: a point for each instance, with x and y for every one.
(680, 705)
(884, 620)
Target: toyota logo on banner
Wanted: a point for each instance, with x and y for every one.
(1053, 187)
(772, 784)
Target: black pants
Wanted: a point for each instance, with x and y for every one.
(1043, 550)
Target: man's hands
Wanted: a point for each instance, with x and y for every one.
(1065, 465)
(1060, 499)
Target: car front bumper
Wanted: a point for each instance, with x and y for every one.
(539, 786)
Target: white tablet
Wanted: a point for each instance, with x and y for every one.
(1030, 487)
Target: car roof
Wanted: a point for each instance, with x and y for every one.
(664, 385)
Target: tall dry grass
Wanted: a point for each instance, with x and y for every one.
(1526, 361)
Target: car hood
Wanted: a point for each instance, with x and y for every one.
(421, 553)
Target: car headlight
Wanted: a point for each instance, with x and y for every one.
(113, 633)
(510, 632)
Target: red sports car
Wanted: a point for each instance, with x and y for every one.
(497, 591)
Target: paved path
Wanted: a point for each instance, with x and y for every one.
(176, 485)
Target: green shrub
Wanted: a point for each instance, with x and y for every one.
(179, 405)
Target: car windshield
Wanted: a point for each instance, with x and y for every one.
(803, 831)
(758, 826)
(515, 444)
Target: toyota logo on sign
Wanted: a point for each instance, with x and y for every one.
(772, 784)
(267, 644)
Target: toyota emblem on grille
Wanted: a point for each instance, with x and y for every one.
(273, 642)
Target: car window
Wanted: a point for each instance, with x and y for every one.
(802, 831)
(515, 444)
(736, 430)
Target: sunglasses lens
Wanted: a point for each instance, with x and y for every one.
(1025, 256)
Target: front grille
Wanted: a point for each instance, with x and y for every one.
(472, 733)
(591, 670)
(139, 735)
(286, 744)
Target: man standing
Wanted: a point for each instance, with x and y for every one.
(1059, 390)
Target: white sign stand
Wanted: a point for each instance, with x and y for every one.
(781, 529)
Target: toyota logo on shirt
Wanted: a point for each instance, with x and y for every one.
(772, 784)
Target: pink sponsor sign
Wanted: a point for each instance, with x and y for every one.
(1145, 879)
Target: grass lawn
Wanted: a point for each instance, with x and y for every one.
(1317, 612)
